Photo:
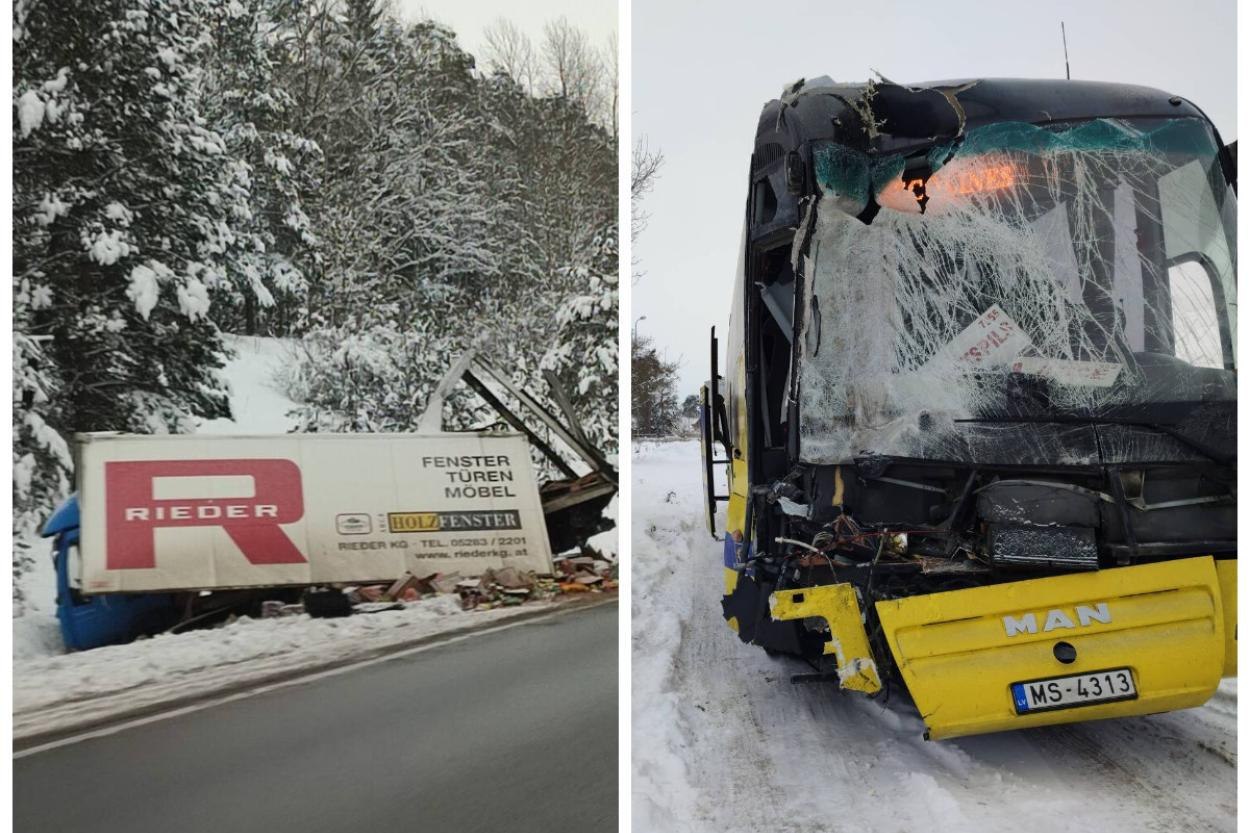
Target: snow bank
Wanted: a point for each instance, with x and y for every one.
(36, 632)
(667, 534)
(722, 741)
(257, 404)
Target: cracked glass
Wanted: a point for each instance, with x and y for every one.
(991, 293)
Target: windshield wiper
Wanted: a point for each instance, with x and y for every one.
(1202, 448)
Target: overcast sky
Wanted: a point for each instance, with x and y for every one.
(597, 18)
(701, 73)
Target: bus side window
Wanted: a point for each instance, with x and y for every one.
(1198, 244)
(1195, 319)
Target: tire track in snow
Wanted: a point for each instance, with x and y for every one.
(705, 680)
(1165, 764)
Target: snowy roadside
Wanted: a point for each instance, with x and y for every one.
(59, 692)
(55, 691)
(722, 741)
(36, 632)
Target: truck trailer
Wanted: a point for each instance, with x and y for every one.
(166, 528)
(978, 411)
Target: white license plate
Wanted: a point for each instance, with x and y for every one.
(1076, 690)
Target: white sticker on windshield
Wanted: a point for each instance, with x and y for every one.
(994, 339)
(1084, 374)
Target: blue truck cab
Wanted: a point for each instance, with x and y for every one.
(93, 621)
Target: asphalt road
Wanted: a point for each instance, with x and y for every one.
(515, 730)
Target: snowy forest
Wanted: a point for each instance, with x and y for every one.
(318, 170)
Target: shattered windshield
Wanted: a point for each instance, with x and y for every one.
(1020, 274)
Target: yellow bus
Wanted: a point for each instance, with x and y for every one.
(977, 408)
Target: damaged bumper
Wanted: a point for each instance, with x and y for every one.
(838, 605)
(1171, 625)
(960, 652)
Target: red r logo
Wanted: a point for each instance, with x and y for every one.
(133, 513)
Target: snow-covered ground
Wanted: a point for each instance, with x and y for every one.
(36, 632)
(53, 689)
(722, 741)
(256, 402)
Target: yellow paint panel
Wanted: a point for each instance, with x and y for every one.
(848, 641)
(1227, 572)
(735, 515)
(738, 487)
(736, 511)
(413, 521)
(1166, 623)
(988, 632)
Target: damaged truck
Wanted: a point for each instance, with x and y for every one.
(978, 413)
(171, 532)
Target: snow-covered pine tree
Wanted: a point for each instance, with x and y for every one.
(570, 180)
(363, 87)
(567, 190)
(584, 353)
(278, 251)
(130, 216)
(419, 212)
(42, 463)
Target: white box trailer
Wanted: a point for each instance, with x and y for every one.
(181, 512)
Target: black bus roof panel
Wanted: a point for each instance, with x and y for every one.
(808, 110)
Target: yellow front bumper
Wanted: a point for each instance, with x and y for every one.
(960, 651)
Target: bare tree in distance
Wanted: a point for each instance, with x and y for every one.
(645, 169)
(566, 65)
(509, 50)
(574, 69)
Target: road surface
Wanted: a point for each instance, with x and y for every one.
(514, 730)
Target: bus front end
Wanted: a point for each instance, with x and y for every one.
(979, 403)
